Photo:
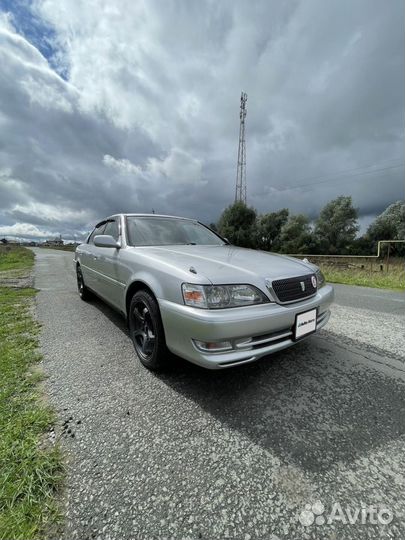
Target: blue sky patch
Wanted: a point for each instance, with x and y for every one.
(34, 29)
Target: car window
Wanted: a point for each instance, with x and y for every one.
(112, 229)
(98, 230)
(168, 231)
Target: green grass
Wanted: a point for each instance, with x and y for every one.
(30, 466)
(15, 258)
(393, 279)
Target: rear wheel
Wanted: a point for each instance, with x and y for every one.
(146, 330)
(84, 292)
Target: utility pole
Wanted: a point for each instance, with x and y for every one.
(240, 192)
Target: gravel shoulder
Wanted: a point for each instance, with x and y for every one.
(231, 454)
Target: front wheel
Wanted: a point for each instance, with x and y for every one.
(146, 330)
(84, 292)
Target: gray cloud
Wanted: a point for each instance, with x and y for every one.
(148, 114)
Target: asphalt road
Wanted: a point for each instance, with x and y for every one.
(194, 454)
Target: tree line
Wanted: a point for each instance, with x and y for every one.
(334, 232)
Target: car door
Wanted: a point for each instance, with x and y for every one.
(105, 265)
(88, 258)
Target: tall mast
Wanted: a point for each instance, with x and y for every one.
(240, 191)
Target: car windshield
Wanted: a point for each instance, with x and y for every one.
(160, 231)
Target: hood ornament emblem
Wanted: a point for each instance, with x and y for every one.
(313, 281)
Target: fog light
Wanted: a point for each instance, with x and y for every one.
(213, 346)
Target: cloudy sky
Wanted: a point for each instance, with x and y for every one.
(133, 105)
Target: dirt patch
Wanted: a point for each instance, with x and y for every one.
(16, 279)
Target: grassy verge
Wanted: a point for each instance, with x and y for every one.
(393, 279)
(15, 258)
(30, 465)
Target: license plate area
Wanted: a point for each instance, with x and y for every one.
(305, 324)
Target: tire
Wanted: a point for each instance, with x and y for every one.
(146, 331)
(84, 292)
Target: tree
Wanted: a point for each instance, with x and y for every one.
(269, 228)
(238, 224)
(390, 225)
(337, 226)
(361, 246)
(296, 235)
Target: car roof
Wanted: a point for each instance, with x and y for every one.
(141, 215)
(152, 215)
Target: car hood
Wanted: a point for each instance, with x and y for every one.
(230, 264)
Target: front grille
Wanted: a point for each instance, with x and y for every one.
(293, 289)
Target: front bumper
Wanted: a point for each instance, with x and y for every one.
(270, 326)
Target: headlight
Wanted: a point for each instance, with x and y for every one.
(320, 278)
(221, 296)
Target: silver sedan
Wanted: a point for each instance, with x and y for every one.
(184, 289)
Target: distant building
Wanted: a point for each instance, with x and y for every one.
(54, 243)
(8, 241)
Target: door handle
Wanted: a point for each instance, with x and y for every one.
(95, 257)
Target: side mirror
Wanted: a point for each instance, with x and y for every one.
(105, 240)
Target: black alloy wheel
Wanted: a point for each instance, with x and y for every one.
(84, 292)
(146, 330)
